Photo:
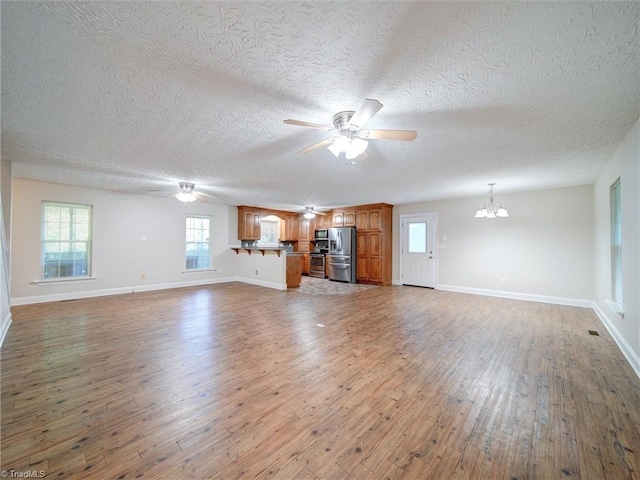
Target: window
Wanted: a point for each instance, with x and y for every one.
(417, 237)
(66, 240)
(616, 246)
(198, 242)
(269, 231)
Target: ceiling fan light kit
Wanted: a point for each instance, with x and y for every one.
(186, 194)
(351, 139)
(492, 210)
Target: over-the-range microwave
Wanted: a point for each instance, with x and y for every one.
(322, 234)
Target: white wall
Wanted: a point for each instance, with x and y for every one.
(132, 235)
(544, 249)
(625, 165)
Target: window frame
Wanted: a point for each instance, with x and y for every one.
(188, 242)
(270, 219)
(615, 200)
(72, 239)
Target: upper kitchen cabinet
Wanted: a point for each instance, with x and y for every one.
(370, 219)
(323, 221)
(343, 218)
(248, 223)
(292, 228)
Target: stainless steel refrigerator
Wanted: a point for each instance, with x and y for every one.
(342, 254)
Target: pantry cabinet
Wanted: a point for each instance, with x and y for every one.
(374, 247)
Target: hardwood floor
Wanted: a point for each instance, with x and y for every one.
(238, 381)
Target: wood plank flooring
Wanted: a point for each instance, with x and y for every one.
(235, 381)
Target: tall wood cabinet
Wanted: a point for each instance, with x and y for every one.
(373, 229)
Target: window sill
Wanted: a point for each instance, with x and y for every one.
(198, 270)
(616, 307)
(57, 281)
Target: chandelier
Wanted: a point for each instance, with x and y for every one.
(492, 210)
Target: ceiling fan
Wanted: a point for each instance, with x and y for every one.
(352, 137)
(187, 193)
(310, 212)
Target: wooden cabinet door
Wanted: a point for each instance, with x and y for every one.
(375, 269)
(250, 226)
(323, 221)
(362, 258)
(375, 244)
(375, 220)
(350, 218)
(306, 264)
(338, 219)
(362, 220)
(305, 229)
(362, 246)
(292, 228)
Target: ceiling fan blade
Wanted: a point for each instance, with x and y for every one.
(210, 195)
(300, 123)
(367, 110)
(404, 135)
(318, 145)
(319, 213)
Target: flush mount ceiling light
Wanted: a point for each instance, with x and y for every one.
(186, 194)
(492, 210)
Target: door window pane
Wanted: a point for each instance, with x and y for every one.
(417, 237)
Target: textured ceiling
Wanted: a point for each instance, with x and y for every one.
(133, 96)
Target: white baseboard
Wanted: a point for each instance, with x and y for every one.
(573, 302)
(57, 297)
(629, 354)
(261, 283)
(4, 328)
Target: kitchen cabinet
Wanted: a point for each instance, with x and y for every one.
(343, 218)
(369, 219)
(369, 258)
(292, 228)
(337, 218)
(374, 247)
(323, 221)
(305, 234)
(306, 263)
(248, 223)
(293, 270)
(350, 218)
(306, 231)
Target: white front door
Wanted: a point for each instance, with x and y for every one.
(419, 250)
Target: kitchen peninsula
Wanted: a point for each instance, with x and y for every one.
(268, 266)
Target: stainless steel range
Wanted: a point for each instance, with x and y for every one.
(317, 267)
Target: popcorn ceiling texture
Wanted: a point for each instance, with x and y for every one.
(133, 96)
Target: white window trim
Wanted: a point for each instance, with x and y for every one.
(206, 269)
(89, 243)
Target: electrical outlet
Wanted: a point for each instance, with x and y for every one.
(143, 276)
(257, 272)
(503, 281)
